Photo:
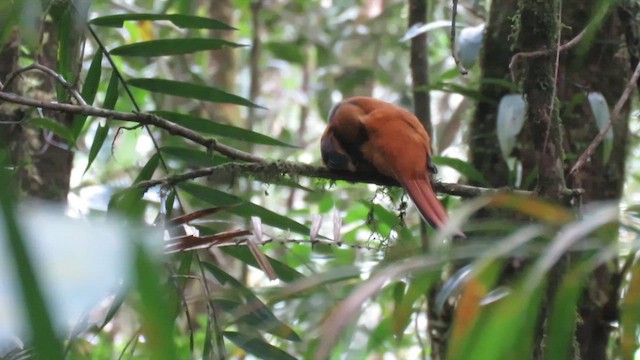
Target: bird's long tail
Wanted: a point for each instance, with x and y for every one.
(431, 209)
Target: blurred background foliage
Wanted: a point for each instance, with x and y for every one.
(351, 278)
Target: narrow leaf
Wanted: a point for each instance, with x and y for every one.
(630, 313)
(179, 20)
(65, 25)
(245, 314)
(406, 306)
(53, 126)
(166, 47)
(258, 309)
(260, 257)
(154, 307)
(191, 91)
(89, 91)
(129, 201)
(98, 141)
(244, 209)
(193, 156)
(284, 271)
(257, 347)
(111, 97)
(45, 340)
(210, 127)
(463, 167)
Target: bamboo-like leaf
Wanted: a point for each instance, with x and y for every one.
(284, 271)
(290, 52)
(257, 347)
(630, 313)
(129, 201)
(89, 91)
(563, 313)
(463, 167)
(252, 244)
(53, 126)
(258, 309)
(179, 20)
(155, 310)
(406, 305)
(193, 156)
(244, 209)
(245, 314)
(111, 97)
(207, 126)
(225, 279)
(45, 340)
(191, 91)
(65, 23)
(534, 207)
(98, 141)
(164, 47)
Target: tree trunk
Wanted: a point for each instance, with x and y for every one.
(552, 140)
(43, 160)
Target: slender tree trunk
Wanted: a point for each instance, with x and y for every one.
(559, 125)
(43, 160)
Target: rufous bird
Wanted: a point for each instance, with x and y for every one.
(368, 134)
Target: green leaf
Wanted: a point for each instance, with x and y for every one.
(53, 126)
(291, 51)
(111, 97)
(165, 47)
(630, 310)
(113, 309)
(245, 209)
(98, 141)
(89, 91)
(259, 311)
(194, 157)
(43, 335)
(562, 320)
(10, 15)
(245, 313)
(157, 319)
(210, 127)
(257, 347)
(181, 21)
(226, 279)
(191, 91)
(65, 23)
(284, 271)
(129, 201)
(463, 167)
(418, 287)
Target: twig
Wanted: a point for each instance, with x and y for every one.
(269, 169)
(454, 13)
(556, 68)
(566, 46)
(631, 85)
(47, 71)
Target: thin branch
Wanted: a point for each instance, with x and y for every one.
(137, 117)
(566, 46)
(268, 170)
(631, 85)
(47, 71)
(454, 13)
